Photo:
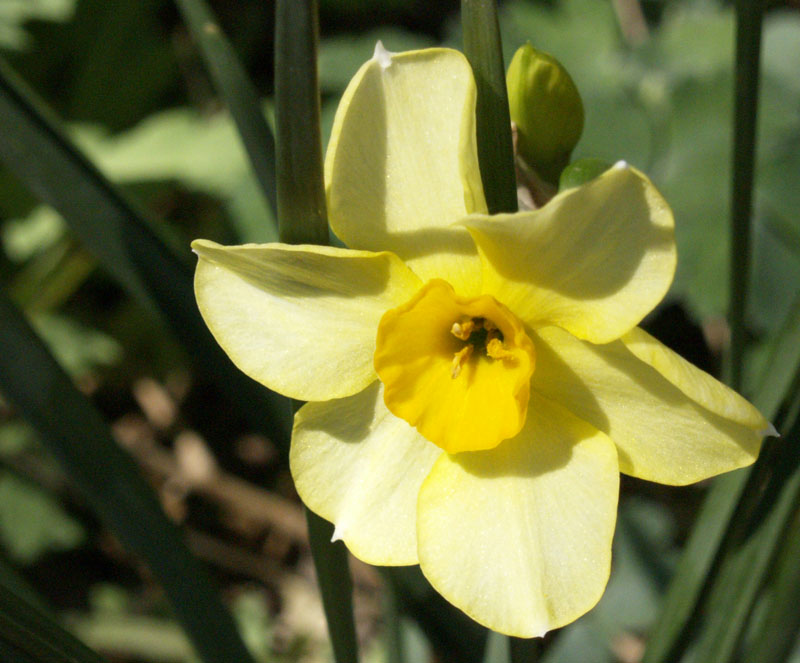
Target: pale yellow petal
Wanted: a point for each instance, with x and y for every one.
(695, 383)
(594, 261)
(299, 319)
(519, 537)
(360, 467)
(661, 433)
(402, 166)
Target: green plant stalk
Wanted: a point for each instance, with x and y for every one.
(302, 216)
(127, 245)
(237, 90)
(525, 651)
(302, 219)
(393, 626)
(749, 16)
(335, 584)
(76, 434)
(493, 123)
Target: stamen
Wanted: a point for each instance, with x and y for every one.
(496, 350)
(459, 359)
(463, 329)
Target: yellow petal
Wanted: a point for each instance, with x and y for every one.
(519, 537)
(463, 392)
(402, 164)
(661, 433)
(695, 383)
(594, 260)
(299, 319)
(360, 467)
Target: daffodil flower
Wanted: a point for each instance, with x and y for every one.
(475, 383)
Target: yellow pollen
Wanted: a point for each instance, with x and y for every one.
(496, 350)
(459, 359)
(463, 329)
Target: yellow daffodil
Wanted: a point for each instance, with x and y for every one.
(476, 383)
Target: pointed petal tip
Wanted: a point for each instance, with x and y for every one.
(338, 533)
(382, 56)
(621, 165)
(769, 431)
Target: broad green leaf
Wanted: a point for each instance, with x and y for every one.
(32, 522)
(15, 13)
(76, 434)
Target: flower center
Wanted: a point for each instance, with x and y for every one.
(456, 368)
(481, 334)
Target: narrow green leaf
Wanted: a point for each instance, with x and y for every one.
(302, 219)
(336, 587)
(783, 362)
(712, 541)
(748, 561)
(27, 628)
(237, 90)
(79, 438)
(127, 245)
(749, 15)
(695, 566)
(495, 150)
(302, 216)
(777, 635)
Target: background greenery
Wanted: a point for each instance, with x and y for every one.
(126, 83)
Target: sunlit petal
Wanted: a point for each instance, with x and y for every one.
(519, 537)
(661, 433)
(402, 164)
(359, 466)
(299, 319)
(595, 260)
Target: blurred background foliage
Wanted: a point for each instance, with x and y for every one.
(132, 90)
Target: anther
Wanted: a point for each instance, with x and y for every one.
(459, 359)
(496, 350)
(462, 330)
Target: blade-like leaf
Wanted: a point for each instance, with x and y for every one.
(749, 16)
(30, 632)
(237, 90)
(79, 438)
(128, 247)
(493, 121)
(302, 219)
(302, 216)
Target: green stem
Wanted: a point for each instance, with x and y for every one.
(525, 651)
(493, 124)
(301, 193)
(335, 584)
(749, 15)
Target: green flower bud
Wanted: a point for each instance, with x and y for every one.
(581, 171)
(547, 109)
